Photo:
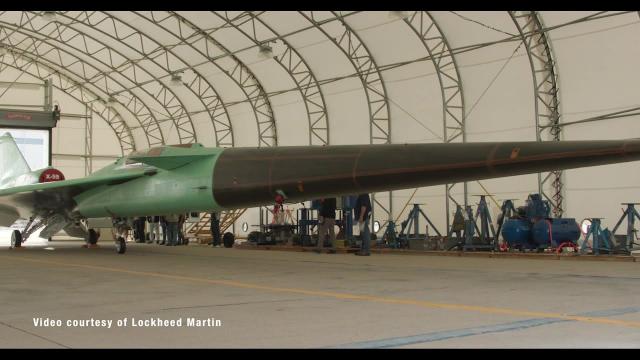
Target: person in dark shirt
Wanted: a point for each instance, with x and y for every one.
(215, 230)
(138, 229)
(362, 210)
(172, 229)
(163, 224)
(327, 223)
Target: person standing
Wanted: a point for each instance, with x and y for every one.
(215, 230)
(182, 240)
(154, 229)
(163, 224)
(138, 229)
(172, 229)
(327, 223)
(361, 212)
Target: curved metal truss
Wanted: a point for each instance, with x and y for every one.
(70, 63)
(73, 89)
(546, 93)
(40, 48)
(360, 57)
(165, 58)
(117, 64)
(453, 110)
(252, 27)
(94, 21)
(358, 54)
(190, 34)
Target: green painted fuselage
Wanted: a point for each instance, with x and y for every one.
(194, 178)
(175, 190)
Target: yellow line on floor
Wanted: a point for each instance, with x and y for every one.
(344, 296)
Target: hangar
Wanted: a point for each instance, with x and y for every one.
(541, 255)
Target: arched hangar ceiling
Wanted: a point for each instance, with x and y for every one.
(268, 78)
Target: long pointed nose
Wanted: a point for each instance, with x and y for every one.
(249, 177)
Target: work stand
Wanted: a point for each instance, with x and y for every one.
(486, 231)
(630, 214)
(600, 238)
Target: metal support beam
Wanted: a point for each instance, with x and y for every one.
(297, 68)
(169, 60)
(88, 142)
(48, 95)
(82, 23)
(78, 92)
(202, 42)
(346, 39)
(50, 38)
(453, 109)
(546, 94)
(78, 73)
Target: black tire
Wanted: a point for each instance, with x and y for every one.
(121, 245)
(228, 239)
(91, 237)
(253, 236)
(16, 239)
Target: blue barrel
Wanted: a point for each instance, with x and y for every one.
(562, 230)
(516, 232)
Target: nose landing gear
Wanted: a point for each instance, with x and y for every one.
(121, 245)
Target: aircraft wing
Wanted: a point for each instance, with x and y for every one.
(57, 197)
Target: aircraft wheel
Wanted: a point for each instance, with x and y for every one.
(92, 237)
(228, 239)
(16, 239)
(121, 245)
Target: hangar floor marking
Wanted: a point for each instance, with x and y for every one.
(344, 296)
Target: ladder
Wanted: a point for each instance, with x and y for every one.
(228, 218)
(202, 224)
(202, 229)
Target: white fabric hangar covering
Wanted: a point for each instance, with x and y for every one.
(130, 80)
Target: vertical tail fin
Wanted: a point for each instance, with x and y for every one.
(12, 163)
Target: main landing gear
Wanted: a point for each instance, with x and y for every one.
(16, 239)
(91, 238)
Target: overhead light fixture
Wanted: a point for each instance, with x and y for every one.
(265, 51)
(399, 14)
(49, 15)
(176, 79)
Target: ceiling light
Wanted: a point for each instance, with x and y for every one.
(49, 15)
(265, 51)
(176, 79)
(398, 14)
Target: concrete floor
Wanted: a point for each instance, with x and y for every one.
(305, 300)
